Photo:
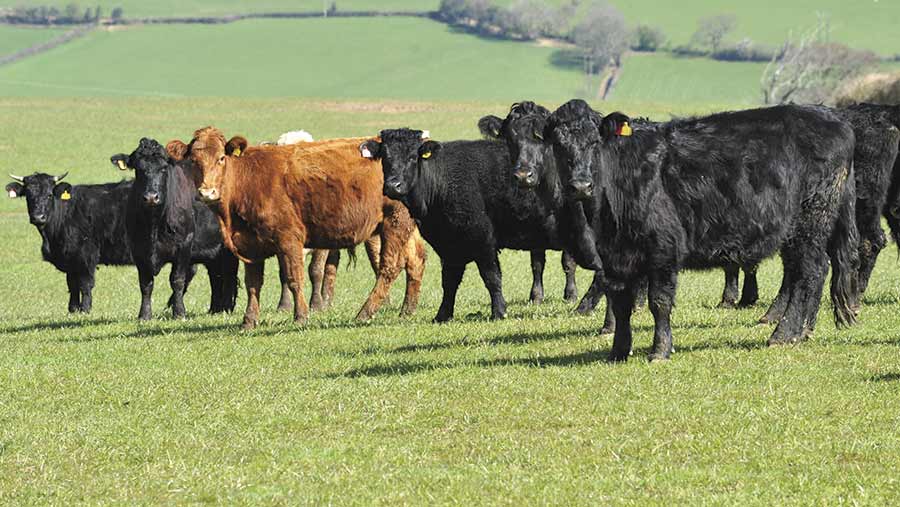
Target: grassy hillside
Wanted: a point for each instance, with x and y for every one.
(178, 8)
(351, 58)
(102, 409)
(13, 38)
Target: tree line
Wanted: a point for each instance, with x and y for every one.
(71, 14)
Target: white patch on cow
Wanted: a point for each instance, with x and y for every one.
(13, 194)
(365, 152)
(426, 134)
(294, 137)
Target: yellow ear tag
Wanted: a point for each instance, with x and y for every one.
(65, 196)
(121, 164)
(538, 136)
(625, 130)
(236, 152)
(426, 155)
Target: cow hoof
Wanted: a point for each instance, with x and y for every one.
(300, 321)
(727, 304)
(248, 325)
(607, 329)
(536, 300)
(658, 357)
(363, 316)
(498, 316)
(618, 356)
(440, 319)
(286, 307)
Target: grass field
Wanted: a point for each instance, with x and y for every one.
(102, 409)
(391, 59)
(13, 38)
(176, 8)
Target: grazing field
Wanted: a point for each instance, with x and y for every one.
(103, 409)
(176, 8)
(391, 59)
(15, 38)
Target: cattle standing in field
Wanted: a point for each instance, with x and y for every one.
(166, 224)
(274, 200)
(730, 188)
(81, 226)
(460, 194)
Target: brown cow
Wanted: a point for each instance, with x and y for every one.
(274, 200)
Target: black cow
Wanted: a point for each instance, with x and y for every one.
(727, 189)
(81, 226)
(166, 224)
(460, 195)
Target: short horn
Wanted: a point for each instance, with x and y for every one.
(60, 177)
(20, 179)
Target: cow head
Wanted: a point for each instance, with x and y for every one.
(523, 133)
(151, 165)
(41, 191)
(574, 130)
(404, 154)
(208, 152)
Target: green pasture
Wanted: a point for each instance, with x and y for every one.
(355, 59)
(14, 38)
(187, 8)
(102, 409)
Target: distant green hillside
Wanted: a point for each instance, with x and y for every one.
(173, 8)
(400, 58)
(13, 38)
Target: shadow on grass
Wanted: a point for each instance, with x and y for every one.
(73, 322)
(885, 377)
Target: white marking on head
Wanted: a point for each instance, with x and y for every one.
(426, 134)
(294, 137)
(13, 194)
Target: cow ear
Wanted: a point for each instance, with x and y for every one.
(177, 150)
(235, 146)
(490, 126)
(63, 191)
(429, 149)
(14, 190)
(120, 161)
(370, 149)
(615, 125)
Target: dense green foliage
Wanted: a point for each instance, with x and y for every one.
(102, 409)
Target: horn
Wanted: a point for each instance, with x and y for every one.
(60, 177)
(426, 134)
(20, 179)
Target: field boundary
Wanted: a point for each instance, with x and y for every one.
(42, 47)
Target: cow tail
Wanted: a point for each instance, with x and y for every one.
(351, 254)
(844, 253)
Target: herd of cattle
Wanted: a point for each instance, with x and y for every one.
(633, 200)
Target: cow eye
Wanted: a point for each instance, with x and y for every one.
(222, 159)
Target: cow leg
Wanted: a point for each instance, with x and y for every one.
(253, 280)
(750, 292)
(538, 259)
(730, 294)
(332, 261)
(393, 249)
(145, 279)
(872, 241)
(373, 252)
(292, 254)
(230, 266)
(317, 277)
(415, 271)
(622, 303)
(451, 277)
(284, 302)
(489, 269)
(776, 310)
(661, 299)
(74, 292)
(86, 287)
(177, 278)
(216, 274)
(640, 294)
(570, 293)
(609, 319)
(593, 295)
(808, 265)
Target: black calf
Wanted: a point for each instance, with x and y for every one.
(166, 224)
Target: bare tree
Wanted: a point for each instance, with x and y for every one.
(811, 69)
(603, 38)
(712, 31)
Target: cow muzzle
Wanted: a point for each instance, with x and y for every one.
(151, 199)
(581, 189)
(526, 178)
(38, 219)
(209, 195)
(395, 189)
